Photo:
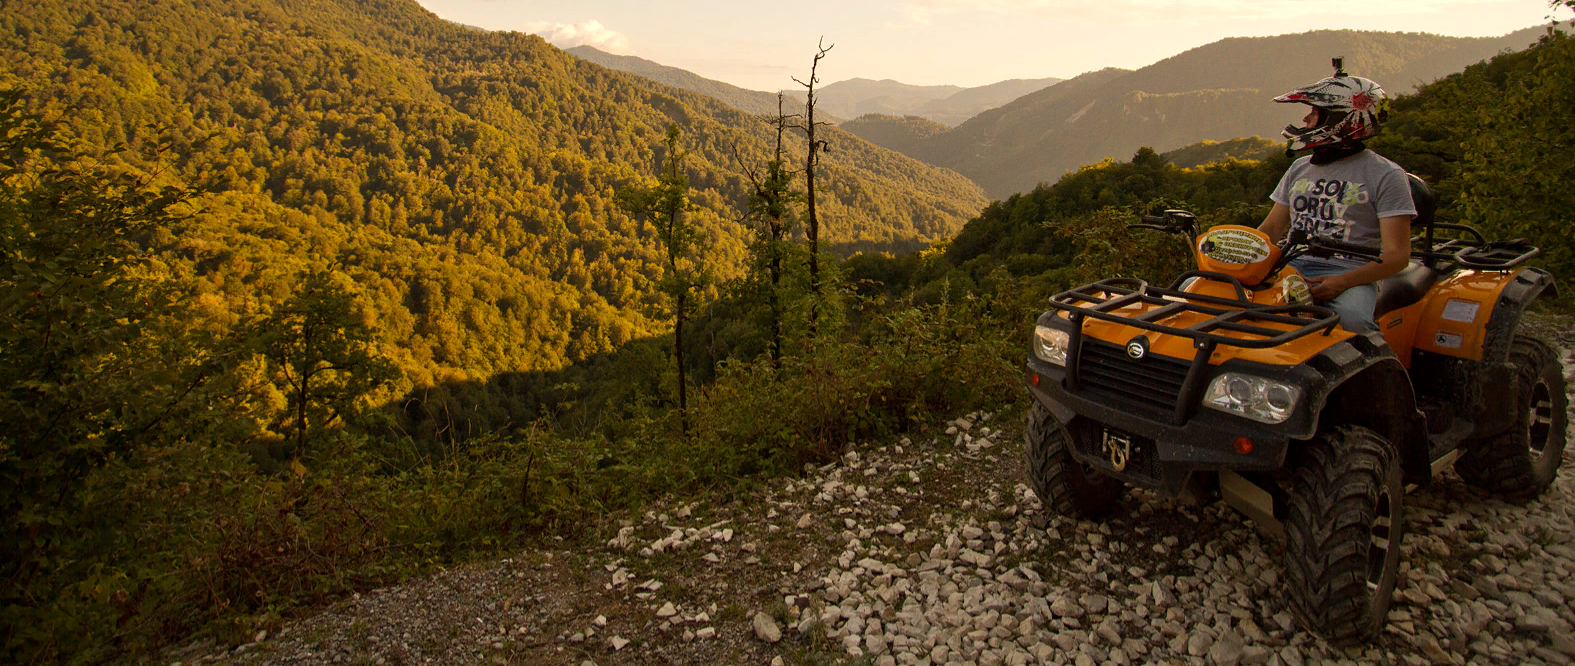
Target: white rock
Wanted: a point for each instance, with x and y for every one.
(766, 628)
(1064, 607)
(617, 642)
(667, 610)
(1198, 643)
(707, 632)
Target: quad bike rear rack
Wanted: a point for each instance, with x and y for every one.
(1100, 300)
(1476, 252)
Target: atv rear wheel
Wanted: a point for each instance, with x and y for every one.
(1343, 533)
(1522, 461)
(1064, 485)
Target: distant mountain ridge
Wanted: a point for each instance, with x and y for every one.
(743, 99)
(948, 105)
(1220, 91)
(970, 102)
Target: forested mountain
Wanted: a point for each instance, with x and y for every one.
(1209, 150)
(900, 133)
(751, 101)
(463, 179)
(1218, 92)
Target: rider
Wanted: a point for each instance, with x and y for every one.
(1344, 192)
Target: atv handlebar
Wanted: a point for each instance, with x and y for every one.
(1173, 221)
(1325, 247)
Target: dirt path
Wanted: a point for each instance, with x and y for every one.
(932, 550)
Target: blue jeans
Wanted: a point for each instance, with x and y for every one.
(1354, 305)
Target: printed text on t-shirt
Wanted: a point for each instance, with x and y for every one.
(1319, 206)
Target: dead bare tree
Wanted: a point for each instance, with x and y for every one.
(811, 160)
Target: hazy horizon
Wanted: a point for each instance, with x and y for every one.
(956, 42)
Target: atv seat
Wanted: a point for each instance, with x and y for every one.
(1404, 288)
(1424, 200)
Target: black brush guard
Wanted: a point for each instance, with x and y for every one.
(1100, 299)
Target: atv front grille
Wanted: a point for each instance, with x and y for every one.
(1152, 383)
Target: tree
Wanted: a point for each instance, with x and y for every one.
(104, 397)
(1516, 171)
(322, 353)
(812, 160)
(666, 205)
(768, 202)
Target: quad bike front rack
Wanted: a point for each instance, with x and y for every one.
(1100, 300)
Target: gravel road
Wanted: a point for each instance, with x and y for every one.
(933, 551)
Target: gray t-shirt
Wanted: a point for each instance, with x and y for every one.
(1344, 200)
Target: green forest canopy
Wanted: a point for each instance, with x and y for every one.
(461, 179)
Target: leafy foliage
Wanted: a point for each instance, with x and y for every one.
(1208, 150)
(666, 205)
(1516, 170)
(322, 355)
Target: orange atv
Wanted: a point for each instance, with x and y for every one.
(1231, 381)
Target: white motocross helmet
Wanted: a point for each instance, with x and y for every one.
(1350, 108)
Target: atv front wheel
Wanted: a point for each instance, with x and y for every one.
(1064, 485)
(1343, 533)
(1522, 461)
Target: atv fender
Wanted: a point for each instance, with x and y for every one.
(1376, 393)
(1518, 294)
(1473, 314)
(1473, 379)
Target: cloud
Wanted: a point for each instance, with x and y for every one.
(1148, 12)
(569, 35)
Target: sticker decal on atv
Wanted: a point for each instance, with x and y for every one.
(1233, 246)
(1296, 290)
(1461, 310)
(1450, 340)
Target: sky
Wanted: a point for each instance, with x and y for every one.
(760, 45)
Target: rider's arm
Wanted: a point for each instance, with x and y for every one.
(1396, 234)
(1277, 222)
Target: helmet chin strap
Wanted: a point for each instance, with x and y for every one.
(1333, 153)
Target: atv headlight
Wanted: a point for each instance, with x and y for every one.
(1050, 344)
(1259, 399)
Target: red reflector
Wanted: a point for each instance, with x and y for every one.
(1243, 445)
(1035, 378)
